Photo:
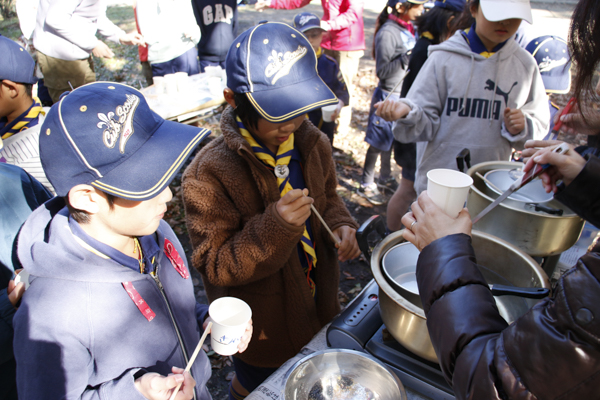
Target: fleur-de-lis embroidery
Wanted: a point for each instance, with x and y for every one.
(123, 127)
(305, 18)
(548, 64)
(282, 63)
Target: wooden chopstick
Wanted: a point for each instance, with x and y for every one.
(191, 362)
(314, 210)
(486, 180)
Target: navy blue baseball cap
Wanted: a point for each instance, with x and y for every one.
(15, 63)
(104, 134)
(305, 21)
(454, 5)
(552, 56)
(276, 67)
(392, 3)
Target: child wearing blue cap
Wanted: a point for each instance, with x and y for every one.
(434, 27)
(248, 197)
(328, 70)
(21, 114)
(477, 90)
(111, 311)
(394, 38)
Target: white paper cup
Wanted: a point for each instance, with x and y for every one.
(213, 71)
(214, 86)
(328, 112)
(230, 317)
(182, 81)
(170, 84)
(159, 84)
(448, 189)
(22, 276)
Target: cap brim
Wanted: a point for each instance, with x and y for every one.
(286, 103)
(154, 164)
(501, 10)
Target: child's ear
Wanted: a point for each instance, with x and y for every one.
(85, 198)
(229, 97)
(11, 87)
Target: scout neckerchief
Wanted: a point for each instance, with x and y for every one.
(280, 163)
(476, 44)
(24, 121)
(405, 24)
(426, 35)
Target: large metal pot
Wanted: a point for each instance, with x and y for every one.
(406, 321)
(538, 233)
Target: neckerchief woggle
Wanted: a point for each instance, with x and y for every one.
(283, 157)
(22, 122)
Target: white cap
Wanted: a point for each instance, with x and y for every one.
(499, 10)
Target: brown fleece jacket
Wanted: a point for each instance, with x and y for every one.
(243, 248)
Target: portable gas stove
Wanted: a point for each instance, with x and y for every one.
(359, 327)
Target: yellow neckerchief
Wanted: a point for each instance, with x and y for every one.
(32, 114)
(427, 35)
(283, 157)
(319, 52)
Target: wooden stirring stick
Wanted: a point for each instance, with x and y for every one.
(314, 210)
(191, 362)
(397, 84)
(486, 180)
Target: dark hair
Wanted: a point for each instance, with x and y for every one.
(83, 217)
(584, 43)
(28, 89)
(465, 19)
(383, 16)
(436, 23)
(246, 111)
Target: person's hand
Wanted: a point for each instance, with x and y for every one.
(574, 122)
(514, 120)
(131, 38)
(294, 207)
(261, 5)
(348, 246)
(563, 166)
(336, 113)
(391, 110)
(432, 222)
(102, 50)
(15, 292)
(154, 386)
(532, 147)
(246, 337)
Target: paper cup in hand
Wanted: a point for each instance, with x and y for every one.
(171, 84)
(159, 84)
(328, 112)
(230, 317)
(448, 189)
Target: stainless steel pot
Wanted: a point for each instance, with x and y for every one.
(406, 321)
(538, 233)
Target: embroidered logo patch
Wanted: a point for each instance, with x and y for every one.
(549, 64)
(305, 18)
(122, 127)
(282, 63)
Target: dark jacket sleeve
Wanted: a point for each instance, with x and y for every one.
(551, 352)
(583, 194)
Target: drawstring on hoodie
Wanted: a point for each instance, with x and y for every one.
(464, 104)
(494, 93)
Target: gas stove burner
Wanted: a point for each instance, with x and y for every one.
(359, 327)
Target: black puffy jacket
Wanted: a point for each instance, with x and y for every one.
(551, 352)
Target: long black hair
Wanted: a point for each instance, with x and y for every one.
(465, 19)
(383, 16)
(436, 23)
(584, 43)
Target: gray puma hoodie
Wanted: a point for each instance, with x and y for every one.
(458, 101)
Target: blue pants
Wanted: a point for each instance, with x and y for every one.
(187, 62)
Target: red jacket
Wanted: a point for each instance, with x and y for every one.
(344, 18)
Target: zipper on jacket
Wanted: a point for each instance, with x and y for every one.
(162, 292)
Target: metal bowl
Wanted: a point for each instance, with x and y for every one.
(341, 374)
(533, 192)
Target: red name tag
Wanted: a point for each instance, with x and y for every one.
(138, 301)
(176, 260)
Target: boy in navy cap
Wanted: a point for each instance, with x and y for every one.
(20, 113)
(328, 70)
(554, 61)
(111, 311)
(247, 203)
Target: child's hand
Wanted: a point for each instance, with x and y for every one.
(154, 386)
(514, 120)
(15, 291)
(294, 207)
(337, 110)
(574, 122)
(246, 337)
(391, 110)
(261, 5)
(348, 246)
